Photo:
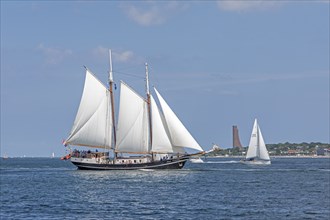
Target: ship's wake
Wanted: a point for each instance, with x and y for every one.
(224, 162)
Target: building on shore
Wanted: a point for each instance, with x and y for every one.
(236, 141)
(320, 151)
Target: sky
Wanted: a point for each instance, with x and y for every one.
(216, 63)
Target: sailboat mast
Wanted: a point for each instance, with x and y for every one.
(258, 142)
(112, 100)
(148, 102)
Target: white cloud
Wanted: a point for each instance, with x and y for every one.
(145, 18)
(244, 6)
(152, 13)
(100, 52)
(124, 56)
(53, 55)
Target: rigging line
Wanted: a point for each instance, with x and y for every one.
(129, 74)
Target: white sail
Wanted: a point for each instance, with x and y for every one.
(252, 150)
(263, 153)
(160, 140)
(132, 129)
(92, 126)
(257, 147)
(179, 135)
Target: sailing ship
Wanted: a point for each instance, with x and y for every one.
(257, 152)
(145, 137)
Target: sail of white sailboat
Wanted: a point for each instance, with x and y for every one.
(263, 153)
(253, 145)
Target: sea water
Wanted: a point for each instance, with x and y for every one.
(219, 188)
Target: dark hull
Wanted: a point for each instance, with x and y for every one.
(166, 164)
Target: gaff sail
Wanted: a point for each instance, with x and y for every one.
(92, 126)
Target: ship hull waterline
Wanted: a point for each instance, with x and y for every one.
(165, 164)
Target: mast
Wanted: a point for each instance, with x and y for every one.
(148, 102)
(112, 103)
(258, 142)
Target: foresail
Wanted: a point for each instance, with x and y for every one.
(160, 139)
(92, 126)
(179, 135)
(132, 129)
(263, 153)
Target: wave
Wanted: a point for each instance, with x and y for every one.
(324, 170)
(34, 169)
(230, 161)
(197, 160)
(147, 170)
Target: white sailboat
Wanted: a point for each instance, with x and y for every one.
(145, 137)
(257, 152)
(5, 156)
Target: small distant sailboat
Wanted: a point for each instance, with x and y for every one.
(5, 156)
(257, 153)
(53, 155)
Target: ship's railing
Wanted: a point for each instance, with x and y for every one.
(89, 154)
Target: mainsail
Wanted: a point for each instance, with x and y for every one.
(257, 146)
(132, 129)
(179, 135)
(92, 126)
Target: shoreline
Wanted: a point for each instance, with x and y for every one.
(220, 156)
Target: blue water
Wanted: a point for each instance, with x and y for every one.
(221, 188)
